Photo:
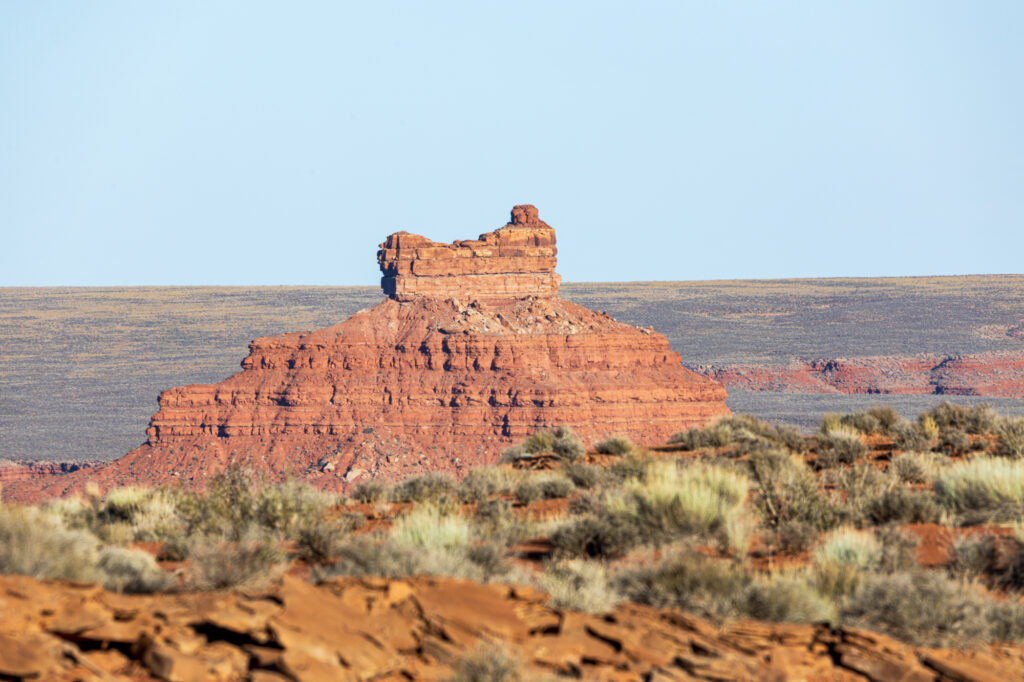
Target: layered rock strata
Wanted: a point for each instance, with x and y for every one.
(995, 375)
(514, 261)
(472, 351)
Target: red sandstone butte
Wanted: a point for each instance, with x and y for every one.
(471, 351)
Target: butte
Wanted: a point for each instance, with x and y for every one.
(472, 350)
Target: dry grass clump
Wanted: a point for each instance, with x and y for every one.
(561, 442)
(839, 444)
(983, 484)
(1010, 438)
(978, 419)
(488, 663)
(926, 608)
(37, 544)
(248, 562)
(581, 585)
(741, 429)
(616, 445)
(915, 467)
(430, 487)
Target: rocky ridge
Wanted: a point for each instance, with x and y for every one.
(994, 374)
(472, 351)
(423, 628)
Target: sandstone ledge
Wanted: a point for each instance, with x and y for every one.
(421, 628)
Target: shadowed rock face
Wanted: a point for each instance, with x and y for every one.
(472, 351)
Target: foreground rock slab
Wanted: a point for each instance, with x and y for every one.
(421, 629)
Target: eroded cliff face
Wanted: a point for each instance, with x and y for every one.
(514, 261)
(471, 352)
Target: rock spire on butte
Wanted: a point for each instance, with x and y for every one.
(472, 350)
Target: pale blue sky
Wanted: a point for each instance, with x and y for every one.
(279, 142)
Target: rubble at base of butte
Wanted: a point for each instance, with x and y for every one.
(471, 351)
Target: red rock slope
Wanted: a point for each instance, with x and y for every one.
(472, 351)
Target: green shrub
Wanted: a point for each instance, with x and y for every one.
(239, 500)
(973, 557)
(560, 441)
(849, 546)
(1000, 561)
(739, 429)
(899, 505)
(914, 467)
(835, 580)
(983, 484)
(840, 445)
(785, 598)
(430, 487)
(36, 544)
(554, 486)
(859, 486)
(1010, 438)
(528, 492)
(923, 608)
(978, 419)
(887, 417)
(579, 584)
(787, 494)
(483, 482)
(249, 562)
(371, 491)
(688, 581)
(488, 663)
(628, 469)
(864, 422)
(283, 508)
(124, 503)
(567, 444)
(489, 558)
(495, 521)
(698, 498)
(318, 540)
(954, 441)
(606, 537)
(132, 571)
(616, 445)
(429, 527)
(795, 535)
(585, 476)
(899, 549)
(830, 421)
(909, 437)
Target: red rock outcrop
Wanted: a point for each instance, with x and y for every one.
(515, 261)
(23, 470)
(435, 377)
(424, 629)
(995, 375)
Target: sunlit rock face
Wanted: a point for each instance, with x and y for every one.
(471, 351)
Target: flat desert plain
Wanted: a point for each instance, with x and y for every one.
(81, 368)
